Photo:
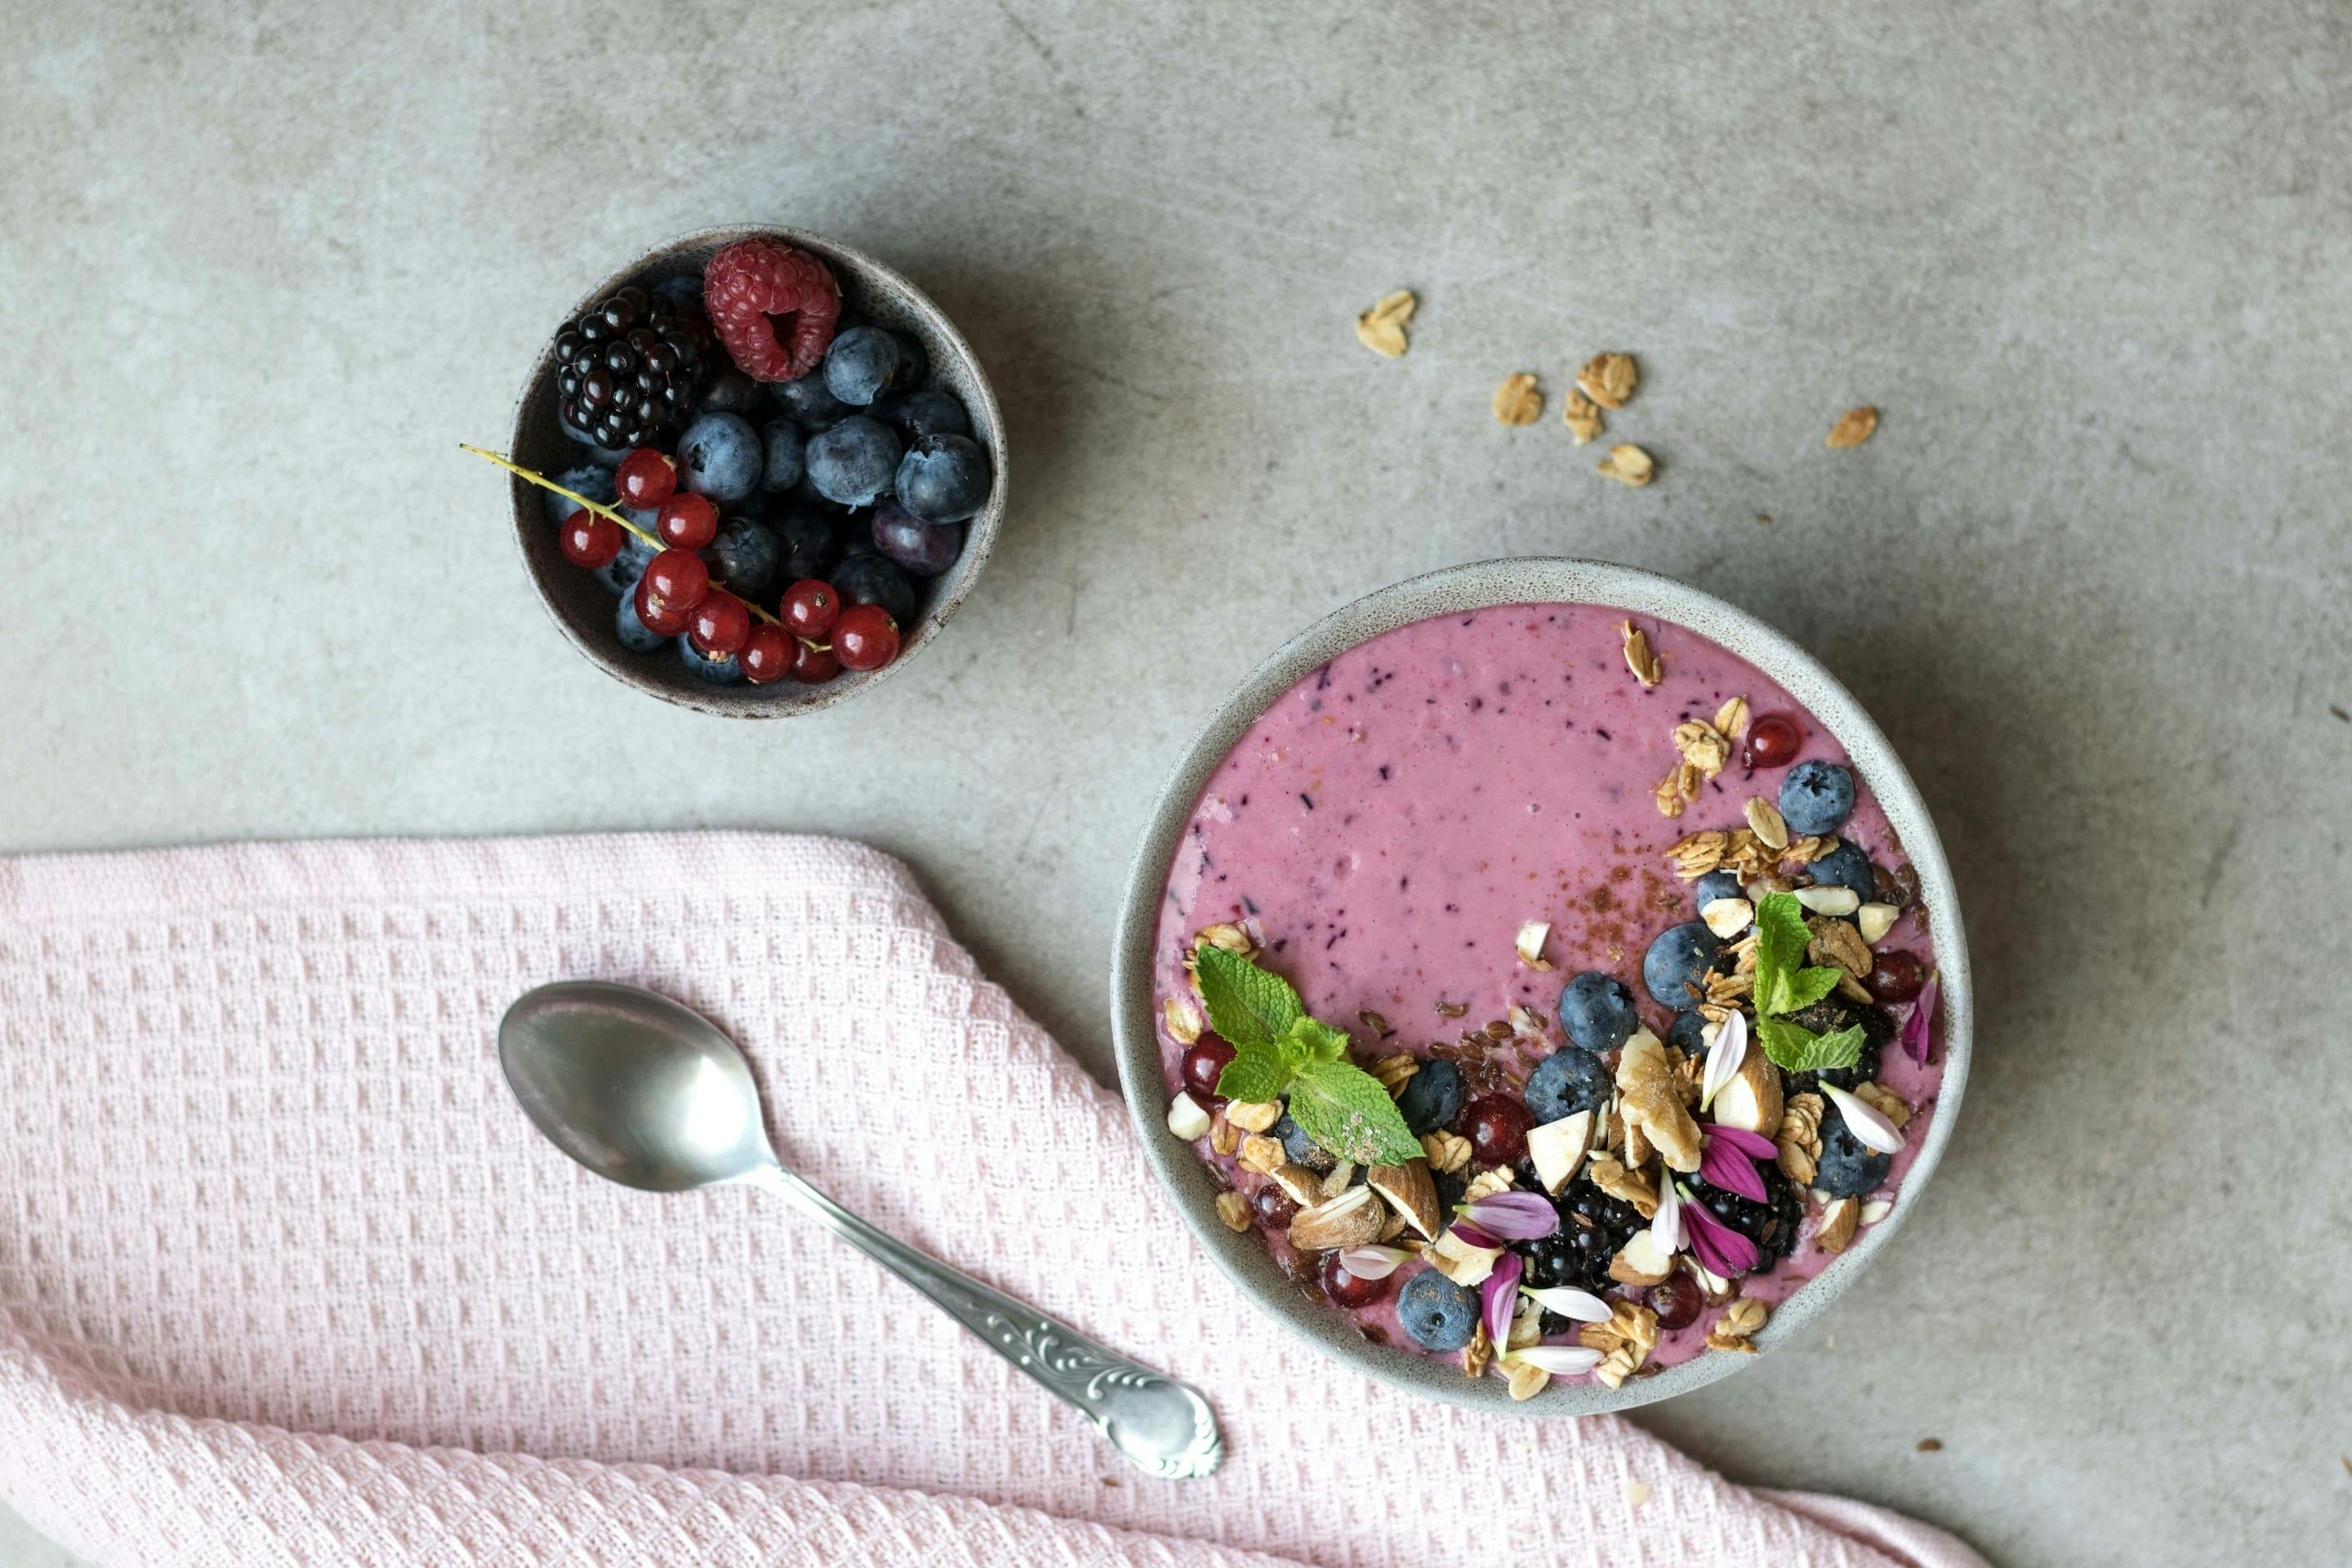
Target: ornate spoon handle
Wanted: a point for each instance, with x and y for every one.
(1164, 1426)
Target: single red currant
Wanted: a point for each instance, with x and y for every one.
(1773, 741)
(1895, 975)
(865, 638)
(720, 626)
(678, 578)
(1676, 1301)
(1273, 1207)
(767, 654)
(1348, 1289)
(645, 478)
(1203, 1062)
(686, 521)
(661, 618)
(590, 541)
(814, 666)
(1496, 1126)
(810, 608)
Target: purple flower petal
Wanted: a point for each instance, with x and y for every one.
(1471, 1235)
(1723, 1249)
(1916, 1034)
(1499, 1298)
(1514, 1216)
(1755, 1145)
(1726, 1167)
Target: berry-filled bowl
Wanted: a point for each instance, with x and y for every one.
(755, 471)
(1541, 987)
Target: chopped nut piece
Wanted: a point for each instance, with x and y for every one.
(1726, 918)
(1527, 1325)
(1234, 1210)
(1639, 657)
(1732, 717)
(1608, 379)
(1764, 821)
(1186, 1119)
(1639, 1262)
(1254, 1115)
(1382, 328)
(1582, 419)
(1752, 1099)
(1299, 1185)
(1395, 1070)
(1853, 990)
(1628, 465)
(1352, 1219)
(1696, 854)
(1446, 1151)
(1411, 1192)
(1488, 1183)
(1393, 1232)
(1798, 1141)
(1650, 1092)
(1838, 1222)
(1339, 1178)
(1529, 944)
(1613, 1177)
(1466, 1264)
(1830, 900)
(1527, 1380)
(1853, 428)
(1835, 942)
(1225, 934)
(1517, 401)
(1477, 1352)
(1557, 1148)
(1875, 920)
(1876, 1209)
(1744, 1317)
(1886, 1102)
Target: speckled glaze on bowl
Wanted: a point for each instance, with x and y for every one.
(1459, 588)
(585, 611)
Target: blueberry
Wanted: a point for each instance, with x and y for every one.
(634, 633)
(914, 365)
(1439, 1314)
(1716, 885)
(924, 549)
(1816, 797)
(1847, 1168)
(1300, 1149)
(943, 479)
(719, 456)
(621, 574)
(786, 446)
(1597, 1011)
(1846, 867)
(1674, 969)
(1566, 1082)
(746, 559)
(927, 412)
(1432, 1097)
(851, 464)
(1688, 1034)
(807, 541)
(729, 392)
(591, 479)
(726, 671)
(807, 400)
(871, 580)
(862, 363)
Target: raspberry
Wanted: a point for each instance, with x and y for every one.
(774, 308)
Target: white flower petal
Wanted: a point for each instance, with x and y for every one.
(1568, 1302)
(1372, 1262)
(1726, 1048)
(1560, 1360)
(1869, 1128)
(1666, 1226)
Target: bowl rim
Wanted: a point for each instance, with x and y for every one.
(1481, 585)
(980, 531)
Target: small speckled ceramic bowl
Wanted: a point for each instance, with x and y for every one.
(582, 607)
(1455, 589)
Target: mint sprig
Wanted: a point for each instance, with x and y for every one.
(1784, 984)
(1278, 1049)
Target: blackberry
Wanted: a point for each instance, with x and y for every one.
(1827, 1016)
(1592, 1227)
(627, 371)
(1771, 1224)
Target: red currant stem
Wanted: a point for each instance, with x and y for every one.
(599, 508)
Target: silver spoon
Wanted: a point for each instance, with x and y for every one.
(646, 1092)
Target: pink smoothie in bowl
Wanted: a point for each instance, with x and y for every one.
(1483, 840)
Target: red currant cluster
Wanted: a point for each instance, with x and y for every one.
(810, 637)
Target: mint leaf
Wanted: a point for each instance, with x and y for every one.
(1800, 1050)
(1246, 1004)
(1780, 939)
(1344, 1109)
(1312, 1040)
(1807, 986)
(1257, 1072)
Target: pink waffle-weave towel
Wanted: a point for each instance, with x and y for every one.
(286, 1277)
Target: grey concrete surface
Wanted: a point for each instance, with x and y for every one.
(267, 264)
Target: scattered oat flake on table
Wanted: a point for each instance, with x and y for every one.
(1382, 328)
(1608, 379)
(1853, 428)
(1931, 1445)
(1582, 419)
(1518, 401)
(1636, 1493)
(1628, 465)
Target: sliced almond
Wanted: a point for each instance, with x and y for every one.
(1639, 1262)
(1764, 820)
(1751, 1100)
(1838, 1222)
(1628, 465)
(1876, 921)
(1726, 918)
(1186, 1119)
(1299, 1185)
(1466, 1264)
(1558, 1147)
(1529, 944)
(1353, 1219)
(1183, 1020)
(1829, 899)
(1409, 1188)
(1254, 1115)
